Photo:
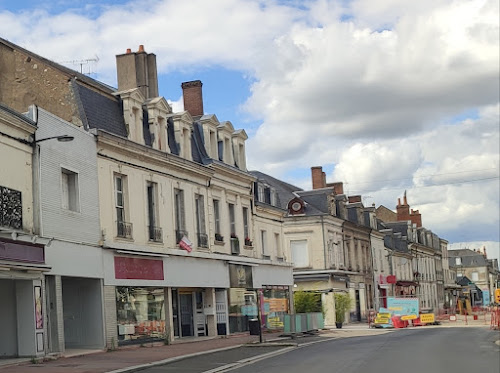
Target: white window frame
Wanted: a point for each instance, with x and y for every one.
(70, 190)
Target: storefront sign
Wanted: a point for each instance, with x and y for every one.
(403, 306)
(240, 276)
(427, 318)
(138, 269)
(22, 252)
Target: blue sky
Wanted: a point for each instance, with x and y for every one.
(347, 85)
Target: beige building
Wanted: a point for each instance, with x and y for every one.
(175, 201)
(22, 255)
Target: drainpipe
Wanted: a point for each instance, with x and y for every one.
(323, 233)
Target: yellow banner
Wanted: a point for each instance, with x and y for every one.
(427, 317)
(408, 317)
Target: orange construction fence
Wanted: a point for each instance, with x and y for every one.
(495, 318)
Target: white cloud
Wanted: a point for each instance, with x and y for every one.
(373, 94)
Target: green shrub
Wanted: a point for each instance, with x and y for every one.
(307, 302)
(342, 305)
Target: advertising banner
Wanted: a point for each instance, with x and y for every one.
(403, 306)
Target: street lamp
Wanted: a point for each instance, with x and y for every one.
(61, 138)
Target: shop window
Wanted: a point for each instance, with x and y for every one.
(140, 314)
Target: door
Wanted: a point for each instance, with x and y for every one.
(186, 303)
(201, 320)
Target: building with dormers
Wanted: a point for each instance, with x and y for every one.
(177, 219)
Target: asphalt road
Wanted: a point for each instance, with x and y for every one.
(418, 350)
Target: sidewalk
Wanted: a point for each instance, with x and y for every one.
(129, 356)
(132, 356)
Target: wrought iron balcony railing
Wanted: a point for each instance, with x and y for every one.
(179, 233)
(155, 234)
(123, 229)
(202, 239)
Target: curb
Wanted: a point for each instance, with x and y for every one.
(136, 368)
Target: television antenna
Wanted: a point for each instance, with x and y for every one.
(88, 62)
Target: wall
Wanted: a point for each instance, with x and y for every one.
(81, 226)
(17, 172)
(27, 80)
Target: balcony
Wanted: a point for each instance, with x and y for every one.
(202, 240)
(235, 246)
(124, 229)
(179, 233)
(155, 234)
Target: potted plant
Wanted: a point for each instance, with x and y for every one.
(342, 305)
(248, 241)
(218, 237)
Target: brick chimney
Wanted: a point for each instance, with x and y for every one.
(354, 199)
(404, 214)
(338, 187)
(318, 177)
(193, 98)
(137, 70)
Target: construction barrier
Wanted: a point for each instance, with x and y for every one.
(495, 318)
(303, 322)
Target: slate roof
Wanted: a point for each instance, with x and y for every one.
(284, 191)
(100, 111)
(470, 258)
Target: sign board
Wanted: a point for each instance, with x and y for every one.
(383, 318)
(403, 306)
(240, 276)
(138, 269)
(408, 317)
(274, 322)
(427, 318)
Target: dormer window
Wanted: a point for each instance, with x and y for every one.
(296, 206)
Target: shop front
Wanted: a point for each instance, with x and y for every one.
(22, 311)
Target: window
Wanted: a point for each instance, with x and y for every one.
(245, 223)
(475, 276)
(277, 243)
(155, 233)
(217, 216)
(458, 261)
(200, 221)
(300, 256)
(263, 242)
(232, 223)
(180, 221)
(70, 197)
(124, 229)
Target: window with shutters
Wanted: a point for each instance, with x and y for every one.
(300, 256)
(217, 216)
(154, 231)
(200, 221)
(246, 231)
(232, 223)
(180, 220)
(123, 226)
(69, 190)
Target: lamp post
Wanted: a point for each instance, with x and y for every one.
(61, 138)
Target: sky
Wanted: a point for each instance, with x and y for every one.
(385, 95)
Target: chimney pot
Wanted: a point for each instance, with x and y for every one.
(129, 50)
(141, 48)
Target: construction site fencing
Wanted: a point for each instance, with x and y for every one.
(495, 318)
(303, 322)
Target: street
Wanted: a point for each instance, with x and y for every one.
(416, 350)
(429, 350)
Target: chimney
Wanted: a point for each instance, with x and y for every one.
(338, 187)
(137, 70)
(354, 199)
(318, 177)
(193, 97)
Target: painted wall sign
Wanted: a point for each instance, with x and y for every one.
(138, 269)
